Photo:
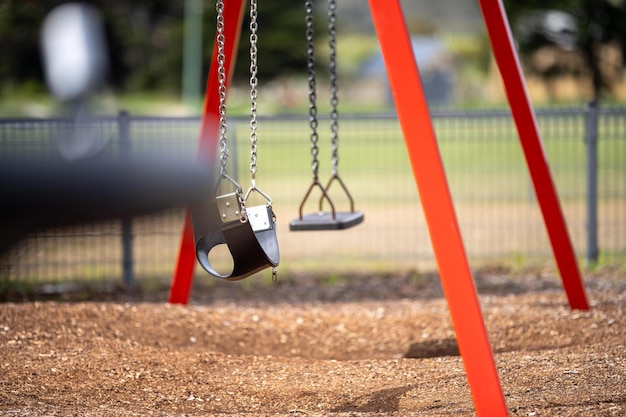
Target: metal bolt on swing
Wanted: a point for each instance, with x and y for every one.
(248, 232)
(320, 220)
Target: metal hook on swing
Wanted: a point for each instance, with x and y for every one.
(261, 217)
(253, 188)
(323, 197)
(336, 177)
(320, 220)
(231, 206)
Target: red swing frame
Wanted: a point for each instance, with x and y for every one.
(430, 178)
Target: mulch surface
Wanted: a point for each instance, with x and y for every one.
(353, 345)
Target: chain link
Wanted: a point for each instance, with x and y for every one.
(221, 78)
(310, 33)
(253, 88)
(334, 88)
(222, 89)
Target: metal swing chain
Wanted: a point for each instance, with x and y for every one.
(223, 141)
(253, 88)
(324, 220)
(310, 32)
(334, 99)
(253, 113)
(253, 102)
(221, 77)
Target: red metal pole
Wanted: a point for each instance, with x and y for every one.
(421, 142)
(524, 116)
(207, 144)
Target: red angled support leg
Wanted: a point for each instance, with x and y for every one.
(207, 144)
(456, 276)
(524, 116)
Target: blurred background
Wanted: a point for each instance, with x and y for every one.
(159, 53)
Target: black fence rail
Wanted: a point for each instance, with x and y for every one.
(494, 198)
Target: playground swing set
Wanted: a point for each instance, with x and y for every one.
(250, 232)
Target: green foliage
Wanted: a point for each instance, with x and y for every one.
(12, 290)
(281, 40)
(18, 41)
(145, 39)
(597, 23)
(516, 10)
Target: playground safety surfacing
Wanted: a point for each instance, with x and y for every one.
(360, 345)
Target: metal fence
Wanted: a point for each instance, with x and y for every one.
(494, 199)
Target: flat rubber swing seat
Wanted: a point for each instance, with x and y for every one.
(325, 221)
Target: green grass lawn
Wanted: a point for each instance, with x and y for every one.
(484, 161)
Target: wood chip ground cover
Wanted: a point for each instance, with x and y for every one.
(365, 345)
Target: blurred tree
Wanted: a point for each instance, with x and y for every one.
(282, 42)
(594, 30)
(587, 28)
(19, 41)
(145, 39)
(145, 43)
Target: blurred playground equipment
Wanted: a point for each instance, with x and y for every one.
(79, 183)
(423, 153)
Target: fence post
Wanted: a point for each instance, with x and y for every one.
(128, 276)
(591, 162)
